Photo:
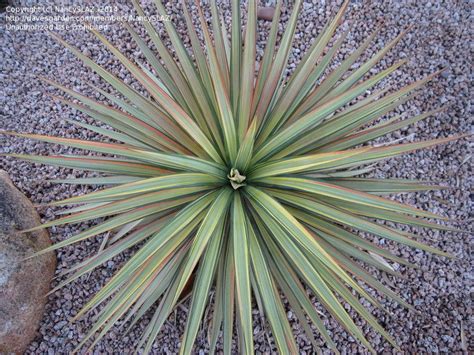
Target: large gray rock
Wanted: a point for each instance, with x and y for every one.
(23, 283)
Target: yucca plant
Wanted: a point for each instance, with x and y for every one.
(241, 183)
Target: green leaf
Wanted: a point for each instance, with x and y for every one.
(151, 110)
(115, 249)
(383, 186)
(298, 165)
(321, 90)
(373, 132)
(275, 75)
(364, 276)
(170, 64)
(196, 131)
(344, 123)
(292, 132)
(305, 73)
(202, 285)
(117, 136)
(379, 153)
(300, 234)
(220, 43)
(244, 155)
(228, 299)
(112, 223)
(191, 75)
(161, 71)
(126, 123)
(145, 185)
(216, 212)
(267, 59)
(215, 323)
(100, 164)
(338, 236)
(172, 161)
(235, 59)
(103, 180)
(158, 247)
(247, 70)
(363, 69)
(290, 283)
(241, 248)
(308, 273)
(332, 213)
(172, 196)
(223, 100)
(271, 299)
(344, 194)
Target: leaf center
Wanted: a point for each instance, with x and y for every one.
(236, 179)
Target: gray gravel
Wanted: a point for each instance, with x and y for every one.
(440, 289)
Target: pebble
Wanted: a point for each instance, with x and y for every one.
(439, 39)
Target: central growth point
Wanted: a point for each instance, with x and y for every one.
(236, 179)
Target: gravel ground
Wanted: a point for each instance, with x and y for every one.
(440, 289)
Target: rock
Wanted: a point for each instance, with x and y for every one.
(265, 13)
(23, 283)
